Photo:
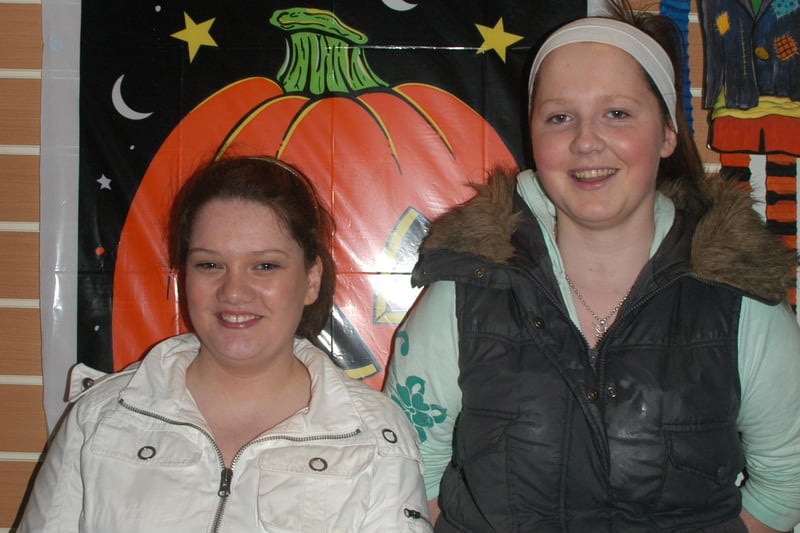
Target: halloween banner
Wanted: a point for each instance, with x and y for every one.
(390, 107)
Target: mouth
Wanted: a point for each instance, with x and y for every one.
(236, 318)
(591, 174)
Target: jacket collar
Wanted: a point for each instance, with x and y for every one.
(729, 245)
(158, 386)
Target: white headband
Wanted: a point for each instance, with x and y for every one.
(643, 48)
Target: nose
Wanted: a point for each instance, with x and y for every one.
(234, 287)
(587, 138)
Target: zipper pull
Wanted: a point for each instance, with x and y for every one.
(416, 515)
(225, 483)
(593, 352)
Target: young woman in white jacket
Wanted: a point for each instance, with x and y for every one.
(242, 424)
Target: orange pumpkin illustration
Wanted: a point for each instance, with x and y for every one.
(384, 158)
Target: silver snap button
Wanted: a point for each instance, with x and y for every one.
(318, 464)
(479, 272)
(389, 435)
(146, 453)
(86, 383)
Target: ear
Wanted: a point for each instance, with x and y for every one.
(670, 141)
(314, 274)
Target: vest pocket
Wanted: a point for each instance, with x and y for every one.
(703, 461)
(476, 482)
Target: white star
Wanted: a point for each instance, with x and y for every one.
(104, 182)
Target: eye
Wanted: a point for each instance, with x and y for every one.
(206, 265)
(558, 118)
(266, 267)
(617, 114)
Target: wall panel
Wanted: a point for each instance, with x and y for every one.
(21, 36)
(19, 111)
(13, 483)
(19, 188)
(19, 263)
(20, 343)
(22, 419)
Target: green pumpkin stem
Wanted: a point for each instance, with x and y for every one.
(319, 55)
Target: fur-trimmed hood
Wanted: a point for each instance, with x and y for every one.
(730, 245)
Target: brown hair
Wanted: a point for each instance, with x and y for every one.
(685, 164)
(274, 184)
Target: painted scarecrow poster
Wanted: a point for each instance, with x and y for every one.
(390, 107)
(752, 91)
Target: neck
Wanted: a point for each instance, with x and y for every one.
(601, 268)
(238, 408)
(244, 383)
(605, 258)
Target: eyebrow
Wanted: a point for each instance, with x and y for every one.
(607, 99)
(266, 251)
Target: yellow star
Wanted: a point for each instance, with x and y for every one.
(195, 35)
(496, 39)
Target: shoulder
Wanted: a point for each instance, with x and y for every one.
(89, 384)
(384, 420)
(732, 246)
(484, 224)
(90, 389)
(769, 336)
(92, 393)
(380, 418)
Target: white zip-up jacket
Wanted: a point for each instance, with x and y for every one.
(134, 454)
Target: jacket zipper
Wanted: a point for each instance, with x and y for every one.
(416, 515)
(225, 482)
(290, 438)
(226, 474)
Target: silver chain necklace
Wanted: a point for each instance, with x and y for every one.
(600, 324)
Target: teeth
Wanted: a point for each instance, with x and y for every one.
(593, 173)
(237, 319)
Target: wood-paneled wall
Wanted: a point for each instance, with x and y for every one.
(22, 424)
(22, 427)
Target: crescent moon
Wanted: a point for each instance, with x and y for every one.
(120, 105)
(399, 5)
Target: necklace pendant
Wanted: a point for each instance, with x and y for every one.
(600, 327)
(600, 324)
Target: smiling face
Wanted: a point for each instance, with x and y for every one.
(246, 283)
(598, 133)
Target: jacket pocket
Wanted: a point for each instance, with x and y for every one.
(315, 488)
(134, 475)
(145, 446)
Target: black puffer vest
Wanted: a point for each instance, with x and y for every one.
(638, 434)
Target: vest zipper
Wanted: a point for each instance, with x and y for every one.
(636, 305)
(226, 474)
